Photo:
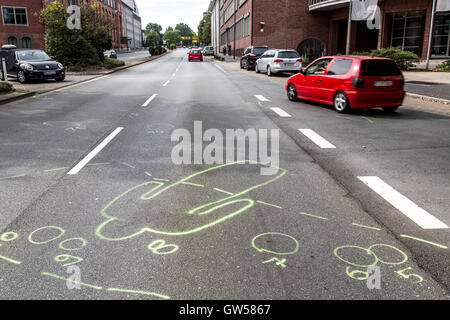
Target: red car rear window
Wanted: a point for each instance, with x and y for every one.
(379, 68)
(196, 52)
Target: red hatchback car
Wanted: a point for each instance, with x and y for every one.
(348, 82)
(195, 54)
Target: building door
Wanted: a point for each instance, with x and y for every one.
(311, 49)
(366, 39)
(342, 26)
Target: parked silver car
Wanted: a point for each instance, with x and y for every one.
(208, 51)
(277, 61)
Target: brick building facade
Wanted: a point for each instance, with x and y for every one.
(19, 25)
(319, 27)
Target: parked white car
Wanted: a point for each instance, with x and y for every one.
(278, 61)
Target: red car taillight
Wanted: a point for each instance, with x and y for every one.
(278, 60)
(252, 55)
(402, 82)
(358, 82)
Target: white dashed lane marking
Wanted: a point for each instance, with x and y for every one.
(94, 152)
(281, 112)
(317, 139)
(149, 100)
(421, 217)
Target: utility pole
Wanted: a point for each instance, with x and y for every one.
(234, 30)
(349, 27)
(430, 36)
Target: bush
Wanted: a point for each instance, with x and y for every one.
(404, 59)
(173, 46)
(112, 63)
(156, 51)
(5, 87)
(445, 66)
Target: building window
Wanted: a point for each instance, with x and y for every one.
(407, 31)
(12, 40)
(441, 36)
(14, 16)
(26, 43)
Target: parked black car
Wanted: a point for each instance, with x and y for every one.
(29, 64)
(251, 54)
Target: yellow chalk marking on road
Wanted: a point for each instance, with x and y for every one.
(12, 177)
(269, 204)
(10, 260)
(366, 227)
(312, 215)
(223, 191)
(424, 241)
(48, 274)
(148, 293)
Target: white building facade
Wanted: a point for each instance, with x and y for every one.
(214, 8)
(132, 24)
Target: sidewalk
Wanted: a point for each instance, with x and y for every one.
(427, 77)
(413, 102)
(30, 89)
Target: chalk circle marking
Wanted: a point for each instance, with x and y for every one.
(297, 246)
(61, 230)
(158, 245)
(368, 251)
(9, 236)
(405, 257)
(63, 247)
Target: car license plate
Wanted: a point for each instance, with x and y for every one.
(49, 73)
(382, 83)
(288, 64)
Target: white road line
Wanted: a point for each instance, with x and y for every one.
(165, 84)
(406, 206)
(317, 139)
(281, 112)
(94, 152)
(261, 98)
(220, 68)
(149, 100)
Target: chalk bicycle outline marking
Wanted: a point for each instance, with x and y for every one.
(200, 210)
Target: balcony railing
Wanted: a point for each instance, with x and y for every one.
(327, 4)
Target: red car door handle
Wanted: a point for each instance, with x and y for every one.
(320, 80)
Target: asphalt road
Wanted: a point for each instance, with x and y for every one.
(138, 226)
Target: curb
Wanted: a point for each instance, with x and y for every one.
(32, 93)
(18, 97)
(427, 98)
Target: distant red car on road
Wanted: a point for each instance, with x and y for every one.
(195, 54)
(348, 82)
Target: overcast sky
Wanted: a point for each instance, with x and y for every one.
(170, 12)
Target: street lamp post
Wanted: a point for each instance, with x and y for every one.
(234, 31)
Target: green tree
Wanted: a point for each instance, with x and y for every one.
(84, 48)
(148, 33)
(172, 37)
(153, 39)
(204, 29)
(153, 26)
(185, 31)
